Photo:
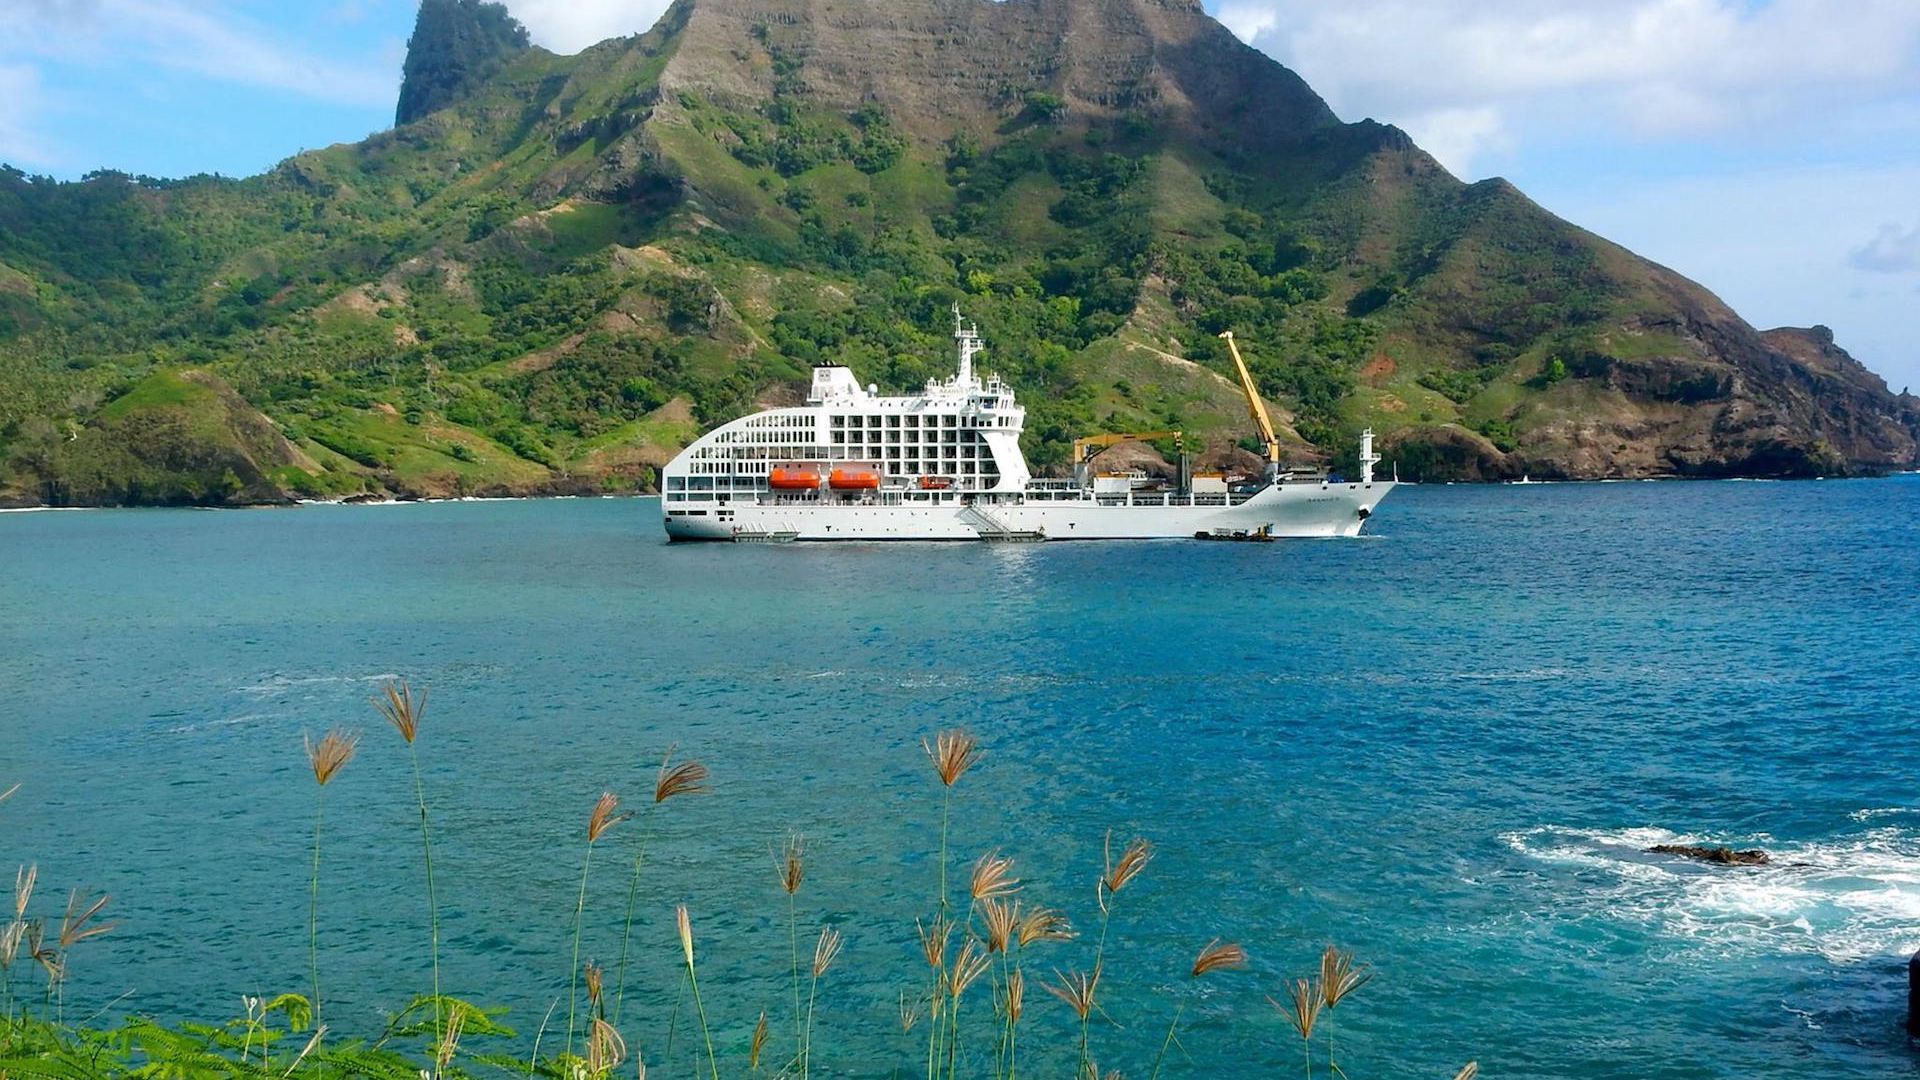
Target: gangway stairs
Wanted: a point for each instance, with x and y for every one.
(994, 530)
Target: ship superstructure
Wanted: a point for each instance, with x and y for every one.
(945, 464)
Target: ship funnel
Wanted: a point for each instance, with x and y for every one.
(1368, 459)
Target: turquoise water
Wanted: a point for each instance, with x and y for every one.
(1442, 747)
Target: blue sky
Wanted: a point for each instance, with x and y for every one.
(1768, 148)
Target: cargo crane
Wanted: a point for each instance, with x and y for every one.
(1256, 407)
(1089, 447)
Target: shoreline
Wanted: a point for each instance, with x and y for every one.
(296, 504)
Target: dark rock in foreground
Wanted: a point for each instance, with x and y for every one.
(1723, 856)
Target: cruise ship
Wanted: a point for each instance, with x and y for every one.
(945, 464)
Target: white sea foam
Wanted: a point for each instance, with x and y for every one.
(1847, 898)
(280, 684)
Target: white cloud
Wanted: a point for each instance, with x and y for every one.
(1457, 136)
(1649, 68)
(205, 38)
(567, 26)
(1892, 251)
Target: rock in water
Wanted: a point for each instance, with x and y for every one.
(1723, 856)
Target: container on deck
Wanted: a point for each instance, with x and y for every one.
(1209, 484)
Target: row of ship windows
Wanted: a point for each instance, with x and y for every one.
(841, 438)
(722, 494)
(904, 466)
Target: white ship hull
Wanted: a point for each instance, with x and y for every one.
(1303, 510)
(945, 464)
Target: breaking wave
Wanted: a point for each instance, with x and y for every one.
(1847, 898)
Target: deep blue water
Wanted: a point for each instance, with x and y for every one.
(1442, 747)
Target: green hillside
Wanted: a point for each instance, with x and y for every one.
(563, 268)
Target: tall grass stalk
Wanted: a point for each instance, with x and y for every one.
(952, 754)
(824, 953)
(688, 778)
(326, 757)
(1118, 875)
(1338, 979)
(1215, 957)
(605, 816)
(792, 868)
(398, 705)
(693, 980)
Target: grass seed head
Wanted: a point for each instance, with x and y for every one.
(1302, 1007)
(909, 1013)
(606, 814)
(1002, 920)
(952, 754)
(596, 982)
(1133, 859)
(686, 932)
(10, 939)
(825, 951)
(1016, 994)
(1469, 1073)
(759, 1044)
(1044, 924)
(450, 1039)
(605, 1048)
(74, 927)
(1339, 977)
(934, 938)
(686, 778)
(23, 880)
(1218, 957)
(993, 877)
(792, 863)
(972, 963)
(1077, 989)
(331, 753)
(401, 708)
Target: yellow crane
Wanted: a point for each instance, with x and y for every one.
(1254, 405)
(1084, 449)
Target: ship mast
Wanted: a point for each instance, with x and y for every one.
(968, 335)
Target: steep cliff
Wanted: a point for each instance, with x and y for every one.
(558, 269)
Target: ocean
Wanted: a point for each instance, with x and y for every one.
(1444, 746)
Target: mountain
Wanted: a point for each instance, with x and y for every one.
(557, 270)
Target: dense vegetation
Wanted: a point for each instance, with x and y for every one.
(557, 278)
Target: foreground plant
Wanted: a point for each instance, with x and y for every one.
(792, 867)
(401, 708)
(1339, 979)
(606, 814)
(686, 945)
(1215, 957)
(326, 757)
(1302, 1010)
(686, 778)
(824, 953)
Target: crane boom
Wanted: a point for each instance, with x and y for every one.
(1254, 405)
(1097, 443)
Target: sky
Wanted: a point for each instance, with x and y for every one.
(1769, 149)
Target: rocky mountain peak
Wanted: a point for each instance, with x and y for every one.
(943, 65)
(456, 46)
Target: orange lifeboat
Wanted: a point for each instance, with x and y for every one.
(794, 479)
(855, 479)
(936, 483)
